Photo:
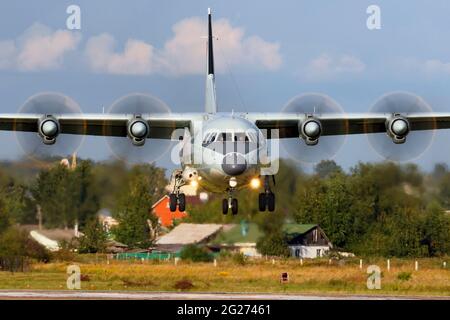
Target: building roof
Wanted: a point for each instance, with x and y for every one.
(50, 238)
(297, 229)
(189, 233)
(235, 235)
(57, 234)
(253, 233)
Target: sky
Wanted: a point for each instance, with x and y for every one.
(267, 52)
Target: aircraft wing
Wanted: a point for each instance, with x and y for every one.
(114, 125)
(343, 124)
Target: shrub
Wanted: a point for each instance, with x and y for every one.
(94, 238)
(63, 254)
(239, 258)
(36, 251)
(404, 276)
(273, 244)
(195, 254)
(18, 250)
(13, 243)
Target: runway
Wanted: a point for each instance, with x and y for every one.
(123, 295)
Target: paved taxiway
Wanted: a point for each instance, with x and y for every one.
(122, 295)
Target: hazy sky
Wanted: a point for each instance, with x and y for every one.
(267, 53)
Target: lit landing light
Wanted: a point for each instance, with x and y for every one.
(255, 183)
(233, 182)
(194, 183)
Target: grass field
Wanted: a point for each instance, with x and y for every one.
(314, 276)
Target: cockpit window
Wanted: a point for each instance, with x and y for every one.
(235, 141)
(225, 136)
(209, 138)
(251, 136)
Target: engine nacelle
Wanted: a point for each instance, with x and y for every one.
(138, 130)
(48, 129)
(310, 130)
(397, 128)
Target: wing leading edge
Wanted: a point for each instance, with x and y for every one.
(338, 124)
(161, 126)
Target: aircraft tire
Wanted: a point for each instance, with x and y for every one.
(173, 202)
(181, 202)
(234, 206)
(271, 202)
(224, 206)
(262, 201)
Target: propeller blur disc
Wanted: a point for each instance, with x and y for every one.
(49, 103)
(153, 149)
(417, 142)
(316, 104)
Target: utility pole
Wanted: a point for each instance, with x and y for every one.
(39, 216)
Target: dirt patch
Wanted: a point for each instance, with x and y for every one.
(183, 285)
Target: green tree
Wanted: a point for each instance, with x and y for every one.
(66, 196)
(195, 253)
(273, 244)
(137, 225)
(326, 168)
(86, 196)
(13, 243)
(436, 231)
(53, 192)
(94, 237)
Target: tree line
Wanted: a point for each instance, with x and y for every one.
(374, 209)
(67, 196)
(383, 209)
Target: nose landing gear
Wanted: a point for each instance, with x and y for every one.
(177, 200)
(230, 203)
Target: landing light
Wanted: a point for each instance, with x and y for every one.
(255, 183)
(194, 183)
(233, 182)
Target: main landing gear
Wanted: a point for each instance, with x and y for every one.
(266, 200)
(177, 198)
(230, 203)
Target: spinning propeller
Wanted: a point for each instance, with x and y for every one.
(399, 143)
(48, 142)
(140, 149)
(308, 149)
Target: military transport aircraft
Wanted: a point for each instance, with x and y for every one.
(224, 152)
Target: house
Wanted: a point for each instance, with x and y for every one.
(307, 240)
(113, 246)
(51, 238)
(186, 234)
(162, 211)
(105, 217)
(239, 238)
(303, 240)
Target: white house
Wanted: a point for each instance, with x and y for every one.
(307, 240)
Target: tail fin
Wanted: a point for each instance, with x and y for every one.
(210, 45)
(210, 99)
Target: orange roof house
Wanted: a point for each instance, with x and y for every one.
(162, 211)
